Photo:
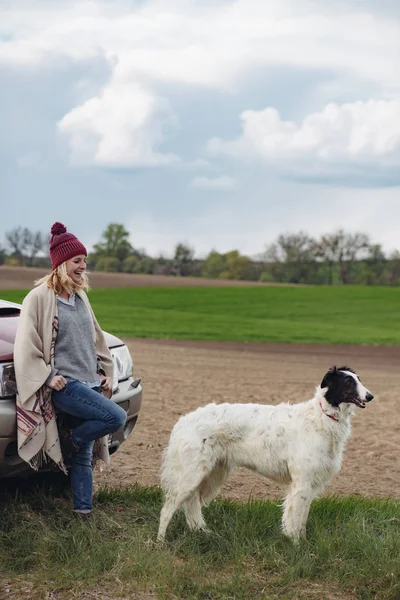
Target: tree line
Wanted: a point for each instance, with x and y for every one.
(336, 258)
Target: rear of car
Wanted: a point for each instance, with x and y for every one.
(127, 392)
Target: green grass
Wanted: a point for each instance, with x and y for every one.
(352, 549)
(319, 314)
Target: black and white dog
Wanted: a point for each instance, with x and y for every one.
(299, 445)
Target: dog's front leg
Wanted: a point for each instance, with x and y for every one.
(296, 509)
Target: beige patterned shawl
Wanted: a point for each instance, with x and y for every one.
(38, 437)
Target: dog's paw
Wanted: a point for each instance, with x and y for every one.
(160, 541)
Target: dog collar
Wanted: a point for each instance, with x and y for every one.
(328, 415)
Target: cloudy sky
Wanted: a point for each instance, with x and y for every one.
(216, 123)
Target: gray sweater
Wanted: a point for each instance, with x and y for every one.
(74, 351)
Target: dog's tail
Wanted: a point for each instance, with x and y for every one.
(177, 457)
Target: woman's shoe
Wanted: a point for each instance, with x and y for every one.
(83, 517)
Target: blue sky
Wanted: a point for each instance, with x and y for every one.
(219, 124)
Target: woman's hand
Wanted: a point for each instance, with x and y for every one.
(106, 386)
(58, 383)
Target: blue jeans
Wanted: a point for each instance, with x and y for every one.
(100, 417)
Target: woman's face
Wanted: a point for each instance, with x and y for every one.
(75, 267)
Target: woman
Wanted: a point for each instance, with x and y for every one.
(62, 360)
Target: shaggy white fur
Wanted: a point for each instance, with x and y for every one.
(298, 445)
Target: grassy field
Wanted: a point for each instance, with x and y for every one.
(352, 550)
(328, 315)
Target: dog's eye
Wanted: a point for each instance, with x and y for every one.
(348, 379)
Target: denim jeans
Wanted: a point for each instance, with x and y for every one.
(100, 417)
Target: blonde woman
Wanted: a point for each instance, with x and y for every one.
(62, 361)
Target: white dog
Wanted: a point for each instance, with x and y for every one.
(299, 445)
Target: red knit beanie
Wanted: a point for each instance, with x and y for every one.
(63, 245)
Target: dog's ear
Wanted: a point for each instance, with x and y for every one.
(346, 368)
(329, 377)
(332, 382)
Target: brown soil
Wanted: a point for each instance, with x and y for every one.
(181, 376)
(24, 590)
(22, 278)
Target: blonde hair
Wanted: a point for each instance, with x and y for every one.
(58, 280)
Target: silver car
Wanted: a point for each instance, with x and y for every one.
(127, 392)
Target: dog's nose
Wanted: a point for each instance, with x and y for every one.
(369, 397)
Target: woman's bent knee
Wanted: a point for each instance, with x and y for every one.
(119, 418)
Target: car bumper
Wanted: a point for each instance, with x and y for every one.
(11, 465)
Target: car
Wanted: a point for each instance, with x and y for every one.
(127, 392)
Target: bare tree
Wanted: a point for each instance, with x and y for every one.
(16, 241)
(34, 242)
(292, 257)
(342, 249)
(25, 244)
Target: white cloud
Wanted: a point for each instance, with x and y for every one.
(215, 45)
(121, 127)
(337, 139)
(217, 183)
(203, 44)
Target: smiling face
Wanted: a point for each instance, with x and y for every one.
(75, 267)
(344, 386)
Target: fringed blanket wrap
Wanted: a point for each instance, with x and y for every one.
(38, 437)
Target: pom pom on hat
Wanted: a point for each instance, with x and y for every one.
(58, 228)
(63, 245)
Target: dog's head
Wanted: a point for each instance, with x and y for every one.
(344, 385)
